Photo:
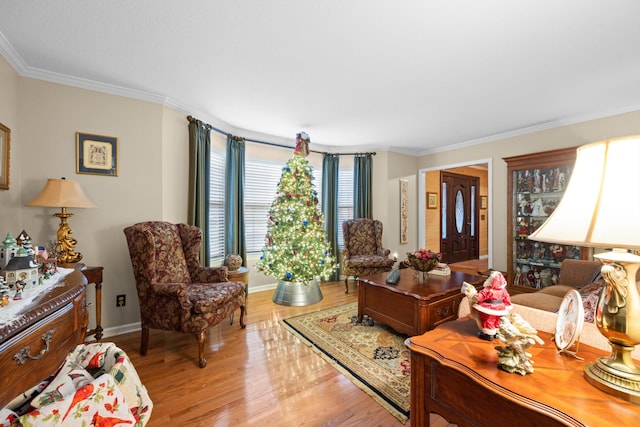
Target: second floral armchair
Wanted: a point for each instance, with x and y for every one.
(363, 252)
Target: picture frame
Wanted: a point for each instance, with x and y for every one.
(404, 211)
(96, 154)
(483, 202)
(5, 163)
(432, 200)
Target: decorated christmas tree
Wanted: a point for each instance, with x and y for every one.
(296, 249)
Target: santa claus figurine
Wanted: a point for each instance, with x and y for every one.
(490, 304)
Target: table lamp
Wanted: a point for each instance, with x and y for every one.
(601, 208)
(64, 193)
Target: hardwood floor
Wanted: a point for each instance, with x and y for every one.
(257, 376)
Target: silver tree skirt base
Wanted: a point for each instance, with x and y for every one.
(297, 293)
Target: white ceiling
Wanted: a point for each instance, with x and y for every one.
(410, 76)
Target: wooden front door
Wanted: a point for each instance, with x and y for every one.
(459, 240)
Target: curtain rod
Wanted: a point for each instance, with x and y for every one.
(273, 144)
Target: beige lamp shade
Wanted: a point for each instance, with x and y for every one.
(62, 193)
(601, 206)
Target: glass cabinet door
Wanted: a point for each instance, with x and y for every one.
(537, 183)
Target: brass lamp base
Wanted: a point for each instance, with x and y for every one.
(616, 374)
(618, 319)
(66, 243)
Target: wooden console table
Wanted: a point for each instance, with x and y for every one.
(94, 275)
(455, 374)
(34, 345)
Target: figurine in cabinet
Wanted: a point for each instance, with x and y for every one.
(557, 252)
(517, 281)
(523, 229)
(537, 208)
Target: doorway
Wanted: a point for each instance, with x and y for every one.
(429, 232)
(459, 217)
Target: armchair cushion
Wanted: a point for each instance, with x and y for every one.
(369, 261)
(206, 297)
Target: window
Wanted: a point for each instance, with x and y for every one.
(216, 206)
(345, 200)
(261, 183)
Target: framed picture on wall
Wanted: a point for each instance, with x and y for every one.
(404, 211)
(432, 200)
(5, 138)
(96, 154)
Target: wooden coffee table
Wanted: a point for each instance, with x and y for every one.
(411, 306)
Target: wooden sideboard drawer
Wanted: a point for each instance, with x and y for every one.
(444, 310)
(36, 352)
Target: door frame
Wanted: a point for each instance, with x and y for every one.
(422, 200)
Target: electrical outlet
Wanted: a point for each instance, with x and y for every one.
(121, 300)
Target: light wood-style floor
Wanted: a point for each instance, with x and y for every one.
(257, 376)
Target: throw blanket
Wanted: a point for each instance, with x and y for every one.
(97, 385)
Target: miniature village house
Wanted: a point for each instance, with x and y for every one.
(22, 267)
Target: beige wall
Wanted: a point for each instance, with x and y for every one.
(151, 182)
(388, 169)
(10, 207)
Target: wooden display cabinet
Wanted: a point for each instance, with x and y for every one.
(535, 185)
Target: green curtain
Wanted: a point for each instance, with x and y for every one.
(198, 210)
(234, 236)
(330, 163)
(362, 193)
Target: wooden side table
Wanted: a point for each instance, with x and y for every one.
(455, 374)
(94, 275)
(240, 275)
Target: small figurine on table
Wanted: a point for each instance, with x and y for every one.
(19, 287)
(489, 304)
(518, 336)
(4, 292)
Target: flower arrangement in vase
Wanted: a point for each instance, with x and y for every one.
(423, 261)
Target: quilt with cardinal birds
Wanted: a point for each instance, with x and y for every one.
(96, 386)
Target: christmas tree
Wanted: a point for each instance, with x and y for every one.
(296, 249)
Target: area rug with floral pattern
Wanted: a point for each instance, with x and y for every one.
(370, 354)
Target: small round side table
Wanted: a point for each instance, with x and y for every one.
(240, 275)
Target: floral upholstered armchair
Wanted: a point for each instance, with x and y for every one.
(175, 292)
(363, 252)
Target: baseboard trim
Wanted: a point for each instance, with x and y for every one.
(120, 330)
(134, 327)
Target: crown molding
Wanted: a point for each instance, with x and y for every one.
(24, 70)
